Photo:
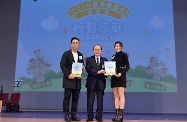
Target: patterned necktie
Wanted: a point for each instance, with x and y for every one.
(97, 61)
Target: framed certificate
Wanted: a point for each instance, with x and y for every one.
(110, 67)
(76, 69)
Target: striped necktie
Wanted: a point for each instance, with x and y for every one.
(97, 61)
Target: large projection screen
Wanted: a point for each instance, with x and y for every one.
(46, 27)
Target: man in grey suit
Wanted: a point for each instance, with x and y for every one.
(95, 83)
(71, 84)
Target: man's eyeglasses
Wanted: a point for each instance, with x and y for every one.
(75, 42)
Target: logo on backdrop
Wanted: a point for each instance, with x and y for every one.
(97, 30)
(98, 7)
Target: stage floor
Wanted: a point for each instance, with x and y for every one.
(58, 117)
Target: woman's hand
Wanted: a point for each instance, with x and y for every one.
(118, 75)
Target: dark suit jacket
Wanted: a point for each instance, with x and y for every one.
(92, 68)
(66, 66)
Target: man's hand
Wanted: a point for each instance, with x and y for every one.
(83, 67)
(71, 76)
(101, 71)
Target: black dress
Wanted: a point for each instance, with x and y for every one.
(122, 66)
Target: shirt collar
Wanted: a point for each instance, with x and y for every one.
(97, 57)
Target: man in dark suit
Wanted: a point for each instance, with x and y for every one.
(71, 84)
(95, 83)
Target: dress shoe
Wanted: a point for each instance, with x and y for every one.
(75, 118)
(89, 120)
(100, 120)
(66, 118)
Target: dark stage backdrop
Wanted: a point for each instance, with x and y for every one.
(137, 100)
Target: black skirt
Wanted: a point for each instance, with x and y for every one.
(118, 81)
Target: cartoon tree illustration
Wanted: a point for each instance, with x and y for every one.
(156, 68)
(38, 66)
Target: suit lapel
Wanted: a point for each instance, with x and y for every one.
(95, 64)
(80, 58)
(94, 61)
(71, 56)
(101, 62)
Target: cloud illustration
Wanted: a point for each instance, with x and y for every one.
(50, 23)
(157, 22)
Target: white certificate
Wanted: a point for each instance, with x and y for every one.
(110, 67)
(77, 69)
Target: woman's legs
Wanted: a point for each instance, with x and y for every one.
(116, 102)
(119, 101)
(116, 97)
(119, 97)
(121, 93)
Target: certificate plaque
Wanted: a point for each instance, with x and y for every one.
(77, 69)
(110, 67)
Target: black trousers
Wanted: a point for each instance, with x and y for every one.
(90, 101)
(73, 95)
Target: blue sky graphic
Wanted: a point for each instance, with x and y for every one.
(45, 25)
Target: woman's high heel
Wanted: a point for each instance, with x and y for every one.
(119, 118)
(117, 113)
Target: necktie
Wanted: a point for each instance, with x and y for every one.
(97, 61)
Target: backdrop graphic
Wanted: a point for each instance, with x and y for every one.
(145, 28)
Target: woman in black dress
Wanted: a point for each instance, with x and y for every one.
(118, 81)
